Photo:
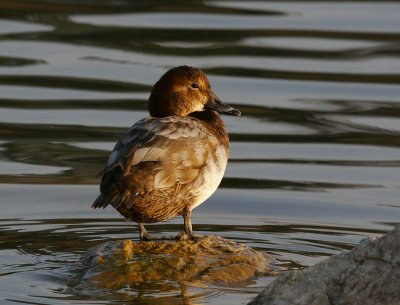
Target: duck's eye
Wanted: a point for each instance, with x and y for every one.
(195, 86)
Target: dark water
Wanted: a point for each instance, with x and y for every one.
(315, 160)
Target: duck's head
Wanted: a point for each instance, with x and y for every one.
(184, 90)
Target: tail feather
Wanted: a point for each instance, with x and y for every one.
(100, 202)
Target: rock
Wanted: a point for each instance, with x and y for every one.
(164, 265)
(367, 275)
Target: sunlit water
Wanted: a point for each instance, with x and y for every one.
(315, 157)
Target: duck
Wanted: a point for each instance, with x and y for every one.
(170, 162)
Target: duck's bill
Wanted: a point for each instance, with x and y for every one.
(216, 105)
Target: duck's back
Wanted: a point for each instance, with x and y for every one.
(163, 165)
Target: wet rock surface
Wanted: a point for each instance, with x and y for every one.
(165, 265)
(367, 275)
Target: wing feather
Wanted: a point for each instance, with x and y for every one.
(178, 146)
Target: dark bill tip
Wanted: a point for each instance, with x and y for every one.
(234, 112)
(216, 105)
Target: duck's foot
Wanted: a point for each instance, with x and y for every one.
(187, 232)
(144, 236)
(185, 236)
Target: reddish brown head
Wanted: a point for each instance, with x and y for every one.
(184, 90)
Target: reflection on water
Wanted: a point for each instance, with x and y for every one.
(314, 159)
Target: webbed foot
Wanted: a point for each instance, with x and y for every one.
(145, 236)
(185, 236)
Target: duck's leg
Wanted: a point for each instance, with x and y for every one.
(187, 232)
(144, 236)
(143, 233)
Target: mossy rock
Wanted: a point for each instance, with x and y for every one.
(207, 261)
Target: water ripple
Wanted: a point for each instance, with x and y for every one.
(314, 160)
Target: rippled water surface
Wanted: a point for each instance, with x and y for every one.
(315, 160)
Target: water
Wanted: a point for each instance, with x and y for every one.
(315, 161)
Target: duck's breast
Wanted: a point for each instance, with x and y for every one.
(210, 176)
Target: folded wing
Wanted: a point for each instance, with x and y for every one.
(155, 154)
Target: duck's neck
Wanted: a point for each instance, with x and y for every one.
(213, 122)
